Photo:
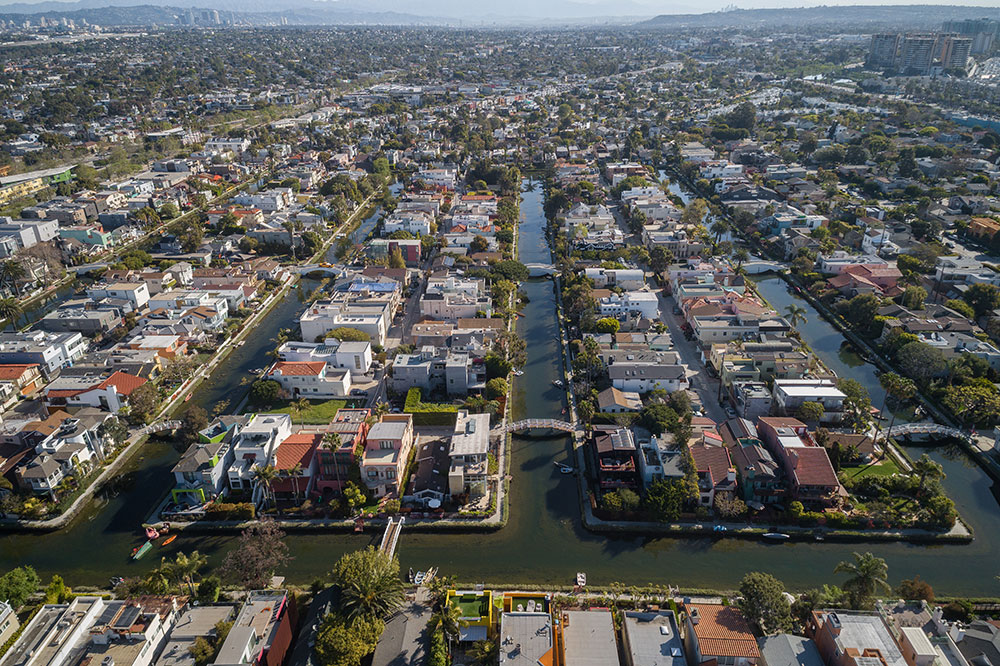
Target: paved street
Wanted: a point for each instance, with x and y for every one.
(702, 383)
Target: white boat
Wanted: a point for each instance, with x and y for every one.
(518, 373)
(557, 382)
(776, 536)
(581, 579)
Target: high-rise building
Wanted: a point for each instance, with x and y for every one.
(984, 32)
(955, 51)
(883, 51)
(916, 54)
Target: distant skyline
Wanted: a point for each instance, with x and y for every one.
(550, 8)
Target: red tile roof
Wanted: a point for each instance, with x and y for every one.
(14, 371)
(299, 368)
(812, 466)
(722, 631)
(123, 382)
(712, 459)
(297, 449)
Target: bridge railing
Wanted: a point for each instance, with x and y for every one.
(928, 429)
(527, 424)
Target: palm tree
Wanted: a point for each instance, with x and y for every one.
(868, 575)
(925, 469)
(795, 313)
(900, 389)
(11, 271)
(299, 406)
(332, 443)
(265, 476)
(296, 473)
(484, 653)
(718, 228)
(381, 409)
(741, 256)
(447, 618)
(376, 589)
(185, 568)
(10, 310)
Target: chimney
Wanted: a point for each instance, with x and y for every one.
(731, 475)
(693, 615)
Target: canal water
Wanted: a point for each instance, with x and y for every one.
(544, 541)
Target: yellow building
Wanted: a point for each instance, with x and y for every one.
(24, 188)
(476, 621)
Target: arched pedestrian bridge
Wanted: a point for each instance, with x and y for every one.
(905, 429)
(160, 427)
(532, 424)
(539, 269)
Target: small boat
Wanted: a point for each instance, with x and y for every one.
(563, 468)
(409, 575)
(187, 397)
(359, 525)
(518, 373)
(137, 553)
(169, 540)
(152, 534)
(558, 382)
(581, 579)
(419, 578)
(116, 581)
(776, 536)
(720, 528)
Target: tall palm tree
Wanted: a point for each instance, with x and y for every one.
(265, 476)
(741, 256)
(485, 652)
(11, 271)
(900, 389)
(447, 618)
(185, 568)
(299, 406)
(795, 313)
(718, 228)
(332, 443)
(10, 310)
(381, 409)
(296, 472)
(868, 575)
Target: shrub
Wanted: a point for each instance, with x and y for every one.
(428, 413)
(229, 511)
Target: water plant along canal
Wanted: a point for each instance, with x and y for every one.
(544, 541)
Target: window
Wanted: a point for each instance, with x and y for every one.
(386, 444)
(372, 473)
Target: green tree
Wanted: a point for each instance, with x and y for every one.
(973, 403)
(867, 576)
(369, 582)
(983, 297)
(496, 388)
(143, 403)
(810, 412)
(796, 314)
(497, 366)
(607, 325)
(961, 307)
(660, 259)
(347, 334)
(264, 392)
(484, 653)
(345, 642)
(665, 499)
(762, 600)
(926, 470)
(56, 592)
(921, 362)
(857, 404)
(658, 418)
(913, 297)
(10, 310)
(396, 258)
(18, 584)
(914, 589)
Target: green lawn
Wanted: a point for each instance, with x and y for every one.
(886, 467)
(320, 412)
(471, 605)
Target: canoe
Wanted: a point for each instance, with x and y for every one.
(142, 550)
(581, 579)
(169, 540)
(776, 536)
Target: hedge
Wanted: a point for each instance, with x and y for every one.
(429, 413)
(229, 511)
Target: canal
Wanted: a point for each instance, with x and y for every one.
(544, 541)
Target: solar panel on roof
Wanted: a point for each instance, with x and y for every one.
(128, 617)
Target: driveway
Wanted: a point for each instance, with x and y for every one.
(702, 383)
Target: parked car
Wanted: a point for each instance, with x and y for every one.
(359, 392)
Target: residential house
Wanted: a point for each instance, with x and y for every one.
(468, 453)
(588, 638)
(311, 379)
(262, 632)
(353, 356)
(614, 401)
(715, 471)
(615, 457)
(254, 446)
(109, 393)
(50, 351)
(26, 378)
(789, 650)
(652, 639)
(295, 461)
(846, 638)
(716, 634)
(337, 463)
(387, 452)
(809, 473)
(642, 378)
(790, 394)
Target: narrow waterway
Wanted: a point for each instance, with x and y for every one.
(544, 541)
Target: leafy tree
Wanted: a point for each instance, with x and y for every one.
(744, 116)
(973, 403)
(660, 259)
(354, 495)
(665, 498)
(585, 410)
(913, 297)
(345, 642)
(728, 506)
(960, 306)
(496, 388)
(983, 297)
(497, 366)
(607, 325)
(868, 575)
(857, 404)
(259, 552)
(914, 589)
(143, 403)
(921, 362)
(437, 654)
(396, 258)
(264, 392)
(762, 600)
(195, 420)
(56, 592)
(348, 334)
(18, 584)
(10, 310)
(209, 590)
(511, 270)
(828, 596)
(694, 212)
(658, 418)
(810, 412)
